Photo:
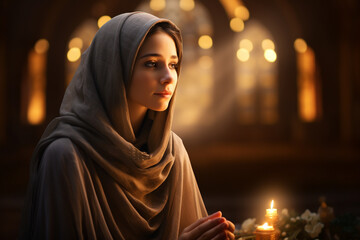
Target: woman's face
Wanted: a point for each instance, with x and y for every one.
(154, 76)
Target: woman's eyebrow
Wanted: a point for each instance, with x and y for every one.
(157, 55)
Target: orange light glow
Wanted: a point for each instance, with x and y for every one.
(237, 24)
(267, 44)
(265, 227)
(300, 45)
(157, 5)
(243, 54)
(306, 84)
(205, 42)
(270, 55)
(242, 12)
(102, 20)
(73, 54)
(229, 6)
(41, 46)
(35, 111)
(187, 5)
(247, 44)
(76, 43)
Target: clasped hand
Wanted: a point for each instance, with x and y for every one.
(214, 227)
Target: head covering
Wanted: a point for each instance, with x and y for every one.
(127, 193)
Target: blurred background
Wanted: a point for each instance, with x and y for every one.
(268, 103)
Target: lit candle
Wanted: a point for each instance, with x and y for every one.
(265, 227)
(265, 232)
(271, 212)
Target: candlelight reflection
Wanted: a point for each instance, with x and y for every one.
(34, 83)
(308, 82)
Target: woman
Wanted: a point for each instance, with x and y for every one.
(109, 167)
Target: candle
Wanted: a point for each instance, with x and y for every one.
(265, 227)
(265, 232)
(271, 212)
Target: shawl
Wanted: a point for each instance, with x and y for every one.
(89, 179)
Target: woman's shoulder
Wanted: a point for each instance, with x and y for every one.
(60, 147)
(60, 152)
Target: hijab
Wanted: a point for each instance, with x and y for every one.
(114, 189)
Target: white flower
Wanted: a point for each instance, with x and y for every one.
(248, 225)
(293, 219)
(309, 216)
(314, 229)
(283, 234)
(287, 226)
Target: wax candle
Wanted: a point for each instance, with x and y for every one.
(271, 212)
(265, 232)
(265, 227)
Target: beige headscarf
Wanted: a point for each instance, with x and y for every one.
(89, 179)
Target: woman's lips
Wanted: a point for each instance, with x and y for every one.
(163, 94)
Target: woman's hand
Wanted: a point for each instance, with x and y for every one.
(212, 227)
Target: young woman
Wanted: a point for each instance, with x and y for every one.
(109, 167)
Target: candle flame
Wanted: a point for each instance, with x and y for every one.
(265, 225)
(272, 204)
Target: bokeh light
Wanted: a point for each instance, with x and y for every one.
(237, 24)
(205, 42)
(242, 12)
(247, 44)
(41, 46)
(102, 20)
(300, 45)
(270, 55)
(157, 5)
(76, 43)
(73, 54)
(243, 54)
(267, 44)
(187, 5)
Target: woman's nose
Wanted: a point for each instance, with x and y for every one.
(168, 76)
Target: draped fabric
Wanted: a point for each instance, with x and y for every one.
(90, 177)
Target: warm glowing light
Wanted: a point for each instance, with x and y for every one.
(205, 42)
(243, 54)
(300, 45)
(157, 5)
(41, 46)
(271, 212)
(270, 55)
(267, 44)
(206, 61)
(76, 43)
(187, 5)
(36, 110)
(242, 12)
(247, 44)
(265, 227)
(73, 54)
(102, 20)
(237, 24)
(307, 92)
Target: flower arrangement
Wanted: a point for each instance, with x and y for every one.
(321, 225)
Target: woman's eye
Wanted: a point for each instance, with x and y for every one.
(173, 65)
(150, 64)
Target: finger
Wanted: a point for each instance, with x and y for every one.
(220, 236)
(230, 235)
(202, 220)
(215, 230)
(231, 227)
